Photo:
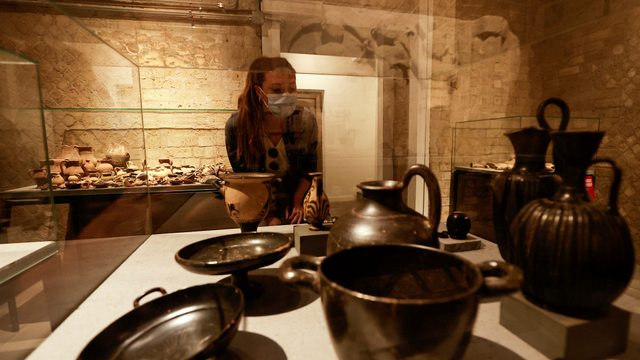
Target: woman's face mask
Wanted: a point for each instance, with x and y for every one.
(282, 105)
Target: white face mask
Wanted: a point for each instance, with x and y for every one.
(282, 105)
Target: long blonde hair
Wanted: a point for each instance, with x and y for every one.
(251, 114)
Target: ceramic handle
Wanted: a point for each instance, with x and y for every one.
(435, 199)
(136, 302)
(291, 271)
(63, 165)
(500, 278)
(564, 108)
(615, 185)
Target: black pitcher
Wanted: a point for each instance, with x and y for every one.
(528, 180)
(382, 217)
(576, 257)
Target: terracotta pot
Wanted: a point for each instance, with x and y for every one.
(316, 203)
(54, 164)
(88, 166)
(247, 197)
(69, 152)
(382, 217)
(57, 179)
(71, 167)
(39, 176)
(104, 165)
(118, 155)
(87, 154)
(399, 301)
(576, 257)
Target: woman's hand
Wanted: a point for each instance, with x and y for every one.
(296, 216)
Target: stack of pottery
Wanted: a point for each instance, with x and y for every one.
(383, 217)
(105, 168)
(576, 257)
(89, 161)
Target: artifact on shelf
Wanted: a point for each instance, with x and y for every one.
(104, 165)
(247, 197)
(528, 180)
(577, 257)
(107, 175)
(131, 167)
(71, 167)
(57, 179)
(316, 203)
(69, 152)
(118, 155)
(383, 217)
(400, 301)
(458, 225)
(88, 166)
(86, 153)
(39, 176)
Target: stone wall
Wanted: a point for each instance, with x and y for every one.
(91, 90)
(595, 68)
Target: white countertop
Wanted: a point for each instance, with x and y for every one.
(299, 333)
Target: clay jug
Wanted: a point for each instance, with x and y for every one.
(118, 155)
(104, 165)
(71, 167)
(576, 257)
(87, 154)
(39, 176)
(88, 166)
(54, 164)
(69, 152)
(247, 197)
(382, 216)
(56, 179)
(316, 203)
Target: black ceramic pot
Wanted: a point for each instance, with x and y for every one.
(382, 217)
(458, 225)
(576, 257)
(400, 301)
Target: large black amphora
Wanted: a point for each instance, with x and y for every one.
(576, 257)
(528, 180)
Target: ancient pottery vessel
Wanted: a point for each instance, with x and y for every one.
(527, 181)
(87, 154)
(382, 217)
(118, 155)
(39, 176)
(71, 167)
(316, 203)
(576, 257)
(458, 225)
(107, 175)
(104, 165)
(398, 301)
(247, 197)
(88, 167)
(69, 152)
(56, 179)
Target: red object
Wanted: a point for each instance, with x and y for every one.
(588, 183)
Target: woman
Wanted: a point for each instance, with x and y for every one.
(271, 133)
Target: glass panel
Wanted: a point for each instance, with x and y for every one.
(28, 228)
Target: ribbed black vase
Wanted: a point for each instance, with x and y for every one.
(576, 257)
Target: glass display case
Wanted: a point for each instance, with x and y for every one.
(391, 83)
(480, 151)
(29, 234)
